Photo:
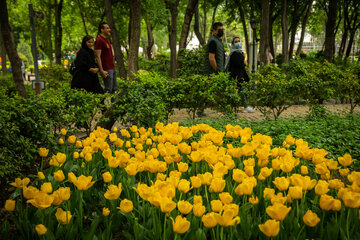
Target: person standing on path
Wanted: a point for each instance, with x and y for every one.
(215, 52)
(105, 58)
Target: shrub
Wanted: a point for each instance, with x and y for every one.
(54, 75)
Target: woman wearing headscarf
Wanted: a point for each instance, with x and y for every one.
(236, 66)
(85, 76)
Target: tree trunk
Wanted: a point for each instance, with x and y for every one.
(285, 34)
(190, 10)
(119, 56)
(150, 38)
(330, 31)
(173, 8)
(294, 24)
(351, 40)
(214, 13)
(197, 27)
(3, 56)
(205, 19)
(10, 47)
(243, 21)
(135, 20)
(58, 31)
(264, 32)
(82, 17)
(303, 27)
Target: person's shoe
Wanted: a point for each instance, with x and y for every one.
(249, 110)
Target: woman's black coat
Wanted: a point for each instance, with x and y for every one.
(237, 68)
(83, 78)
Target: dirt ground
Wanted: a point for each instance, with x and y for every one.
(293, 111)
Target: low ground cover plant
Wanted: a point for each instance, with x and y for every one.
(195, 182)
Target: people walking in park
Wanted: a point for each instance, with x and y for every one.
(235, 65)
(85, 75)
(105, 58)
(215, 53)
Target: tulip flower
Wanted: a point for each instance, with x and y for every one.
(282, 183)
(322, 187)
(59, 176)
(195, 182)
(197, 199)
(254, 200)
(198, 209)
(29, 192)
(270, 228)
(83, 183)
(19, 183)
(227, 218)
(72, 139)
(105, 212)
(63, 131)
(40, 229)
(295, 192)
(217, 185)
(346, 160)
(180, 225)
(225, 197)
(184, 185)
(167, 205)
(278, 211)
(43, 152)
(184, 207)
(41, 200)
(209, 220)
(10, 205)
(216, 205)
(107, 177)
(62, 216)
(113, 192)
(126, 206)
(41, 175)
(311, 219)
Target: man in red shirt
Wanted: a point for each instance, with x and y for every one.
(105, 58)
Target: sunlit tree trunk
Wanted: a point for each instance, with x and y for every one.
(135, 20)
(264, 32)
(285, 34)
(172, 6)
(58, 30)
(330, 31)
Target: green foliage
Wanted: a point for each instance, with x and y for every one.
(159, 63)
(54, 75)
(192, 62)
(270, 89)
(7, 86)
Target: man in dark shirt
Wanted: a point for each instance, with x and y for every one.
(215, 53)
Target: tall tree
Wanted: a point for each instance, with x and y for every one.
(243, 21)
(330, 30)
(58, 30)
(135, 20)
(10, 47)
(150, 37)
(303, 26)
(190, 10)
(352, 22)
(285, 33)
(172, 6)
(79, 3)
(119, 56)
(197, 27)
(3, 56)
(264, 32)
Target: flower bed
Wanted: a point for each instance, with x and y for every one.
(186, 183)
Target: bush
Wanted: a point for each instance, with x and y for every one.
(192, 62)
(54, 75)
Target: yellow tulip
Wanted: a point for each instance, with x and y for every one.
(225, 198)
(10, 205)
(311, 219)
(78, 144)
(209, 220)
(131, 169)
(46, 187)
(270, 228)
(183, 167)
(64, 193)
(351, 199)
(126, 206)
(295, 192)
(279, 198)
(167, 205)
(227, 218)
(233, 207)
(107, 177)
(269, 193)
(41, 200)
(217, 185)
(304, 170)
(346, 160)
(29, 192)
(40, 229)
(83, 182)
(254, 200)
(206, 178)
(344, 172)
(43, 152)
(105, 211)
(197, 199)
(195, 182)
(282, 183)
(184, 207)
(265, 172)
(59, 176)
(41, 175)
(322, 187)
(249, 170)
(239, 175)
(198, 209)
(216, 205)
(63, 131)
(180, 225)
(113, 192)
(278, 211)
(61, 141)
(244, 189)
(19, 183)
(62, 216)
(336, 184)
(72, 139)
(184, 185)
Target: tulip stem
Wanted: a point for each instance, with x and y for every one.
(300, 231)
(164, 227)
(347, 224)
(222, 233)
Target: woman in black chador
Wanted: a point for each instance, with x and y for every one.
(85, 76)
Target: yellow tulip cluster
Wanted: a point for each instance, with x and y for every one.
(177, 174)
